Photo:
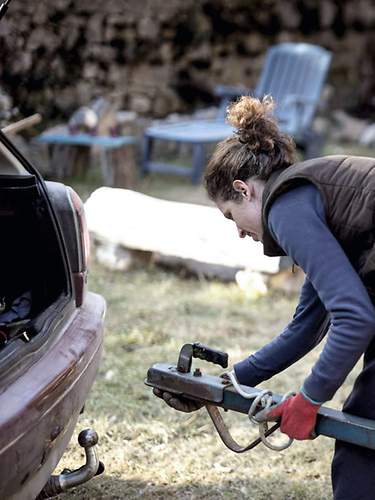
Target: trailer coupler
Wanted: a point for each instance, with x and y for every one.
(224, 392)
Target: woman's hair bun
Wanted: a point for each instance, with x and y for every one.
(254, 123)
(248, 111)
(256, 149)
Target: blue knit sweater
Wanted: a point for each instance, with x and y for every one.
(297, 222)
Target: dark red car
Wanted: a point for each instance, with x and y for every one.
(51, 329)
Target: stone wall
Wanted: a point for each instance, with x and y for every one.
(163, 56)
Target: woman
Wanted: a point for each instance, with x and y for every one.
(320, 213)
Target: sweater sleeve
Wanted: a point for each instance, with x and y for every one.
(297, 220)
(301, 335)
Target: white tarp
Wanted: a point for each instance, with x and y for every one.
(136, 221)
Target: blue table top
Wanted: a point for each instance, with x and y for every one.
(61, 135)
(194, 131)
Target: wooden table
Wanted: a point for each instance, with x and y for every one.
(60, 136)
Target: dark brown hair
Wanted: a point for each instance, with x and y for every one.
(257, 148)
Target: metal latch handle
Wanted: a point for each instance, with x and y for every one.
(201, 351)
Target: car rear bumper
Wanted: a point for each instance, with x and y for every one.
(40, 408)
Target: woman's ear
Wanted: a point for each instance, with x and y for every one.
(242, 188)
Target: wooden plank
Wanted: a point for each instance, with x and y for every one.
(29, 121)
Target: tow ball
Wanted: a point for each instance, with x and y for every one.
(60, 483)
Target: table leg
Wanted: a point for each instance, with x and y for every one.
(62, 159)
(146, 154)
(198, 162)
(106, 166)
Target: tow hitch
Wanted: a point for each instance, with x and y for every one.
(56, 484)
(225, 392)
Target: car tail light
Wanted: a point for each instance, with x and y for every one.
(83, 246)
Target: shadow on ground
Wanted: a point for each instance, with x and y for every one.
(107, 487)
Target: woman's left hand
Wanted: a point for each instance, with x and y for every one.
(179, 403)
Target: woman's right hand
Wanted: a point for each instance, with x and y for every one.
(179, 403)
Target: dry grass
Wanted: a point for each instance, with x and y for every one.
(151, 451)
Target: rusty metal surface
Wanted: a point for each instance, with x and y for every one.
(226, 436)
(211, 389)
(203, 387)
(39, 409)
(201, 351)
(88, 439)
(185, 358)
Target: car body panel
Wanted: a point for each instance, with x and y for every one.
(39, 409)
(45, 381)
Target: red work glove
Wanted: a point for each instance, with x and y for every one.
(298, 417)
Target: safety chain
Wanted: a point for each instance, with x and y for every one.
(262, 401)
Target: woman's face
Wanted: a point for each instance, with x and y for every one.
(247, 212)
